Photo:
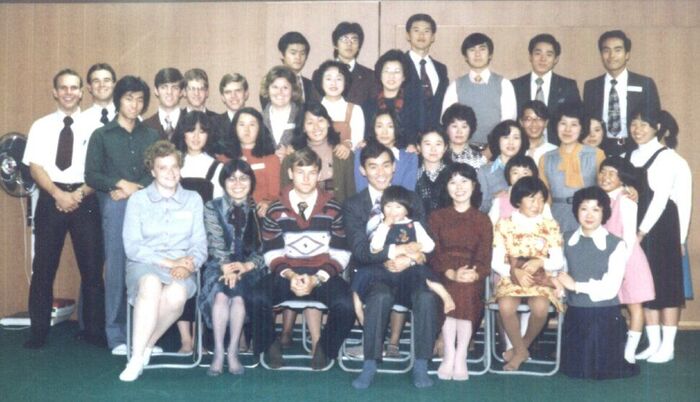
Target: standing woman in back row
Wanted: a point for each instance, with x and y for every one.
(658, 231)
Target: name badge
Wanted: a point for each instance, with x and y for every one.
(290, 126)
(257, 166)
(634, 88)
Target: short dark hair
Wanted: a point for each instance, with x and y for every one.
(625, 169)
(592, 193)
(536, 106)
(525, 187)
(264, 143)
(400, 195)
(589, 125)
(345, 28)
(325, 66)
(475, 39)
(391, 55)
(373, 150)
(520, 160)
(292, 38)
(614, 34)
(502, 129)
(229, 78)
(544, 38)
(66, 71)
(237, 165)
(574, 110)
(458, 111)
(300, 140)
(196, 74)
(661, 119)
(100, 66)
(305, 157)
(130, 83)
(468, 172)
(421, 17)
(189, 123)
(169, 75)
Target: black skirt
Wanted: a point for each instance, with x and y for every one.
(593, 344)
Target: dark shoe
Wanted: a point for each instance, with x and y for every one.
(95, 340)
(273, 356)
(35, 342)
(319, 361)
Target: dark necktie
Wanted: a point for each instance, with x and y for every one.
(104, 119)
(614, 122)
(169, 127)
(302, 207)
(237, 219)
(425, 81)
(539, 95)
(64, 152)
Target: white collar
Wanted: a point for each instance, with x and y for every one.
(621, 78)
(396, 152)
(485, 75)
(351, 65)
(294, 199)
(599, 237)
(547, 77)
(416, 58)
(374, 194)
(526, 221)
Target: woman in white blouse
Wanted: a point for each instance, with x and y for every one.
(280, 88)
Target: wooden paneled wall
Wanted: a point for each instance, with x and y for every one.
(139, 38)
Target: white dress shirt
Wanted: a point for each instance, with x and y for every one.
(658, 177)
(174, 117)
(546, 84)
(279, 121)
(542, 149)
(621, 88)
(337, 110)
(608, 286)
(682, 192)
(429, 69)
(509, 107)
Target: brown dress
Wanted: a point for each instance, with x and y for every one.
(462, 239)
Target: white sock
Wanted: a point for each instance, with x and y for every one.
(633, 338)
(665, 352)
(654, 336)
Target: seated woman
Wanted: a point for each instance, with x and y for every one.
(391, 70)
(332, 80)
(517, 167)
(282, 114)
(235, 261)
(194, 137)
(252, 142)
(505, 141)
(386, 129)
(432, 174)
(526, 253)
(165, 245)
(594, 334)
(459, 122)
(463, 243)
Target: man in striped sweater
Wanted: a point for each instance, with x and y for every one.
(305, 249)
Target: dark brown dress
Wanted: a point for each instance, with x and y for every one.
(462, 239)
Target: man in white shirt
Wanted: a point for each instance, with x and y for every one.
(55, 154)
(234, 94)
(196, 84)
(490, 95)
(168, 89)
(100, 84)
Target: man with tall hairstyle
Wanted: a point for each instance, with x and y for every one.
(618, 93)
(543, 84)
(427, 73)
(304, 247)
(348, 38)
(489, 94)
(55, 154)
(168, 85)
(115, 168)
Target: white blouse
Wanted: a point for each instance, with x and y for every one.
(608, 286)
(198, 166)
(658, 178)
(682, 192)
(337, 110)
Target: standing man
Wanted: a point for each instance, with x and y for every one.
(234, 94)
(196, 83)
(348, 38)
(295, 50)
(55, 155)
(168, 85)
(618, 93)
(489, 94)
(115, 168)
(543, 84)
(426, 73)
(395, 283)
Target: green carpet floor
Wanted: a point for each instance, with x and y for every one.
(67, 370)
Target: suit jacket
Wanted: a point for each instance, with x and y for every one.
(647, 99)
(310, 94)
(408, 116)
(562, 90)
(296, 117)
(429, 110)
(363, 86)
(356, 211)
(154, 123)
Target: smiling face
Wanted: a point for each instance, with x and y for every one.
(568, 130)
(196, 94)
(384, 130)
(392, 76)
(333, 83)
(247, 130)
(196, 140)
(304, 178)
(166, 172)
(294, 57)
(432, 147)
(478, 57)
(543, 58)
(237, 186)
(534, 125)
(420, 36)
(379, 171)
(642, 132)
(394, 211)
(169, 95)
(280, 91)
(511, 143)
(460, 190)
(458, 132)
(101, 86)
(131, 105)
(68, 93)
(234, 96)
(614, 56)
(348, 46)
(609, 179)
(532, 205)
(590, 215)
(316, 128)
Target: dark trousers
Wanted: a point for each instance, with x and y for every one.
(50, 229)
(408, 289)
(274, 289)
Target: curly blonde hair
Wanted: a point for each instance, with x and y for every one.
(161, 149)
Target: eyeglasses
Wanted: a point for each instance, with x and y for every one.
(350, 39)
(243, 179)
(196, 89)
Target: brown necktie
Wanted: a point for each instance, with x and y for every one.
(302, 207)
(64, 152)
(425, 81)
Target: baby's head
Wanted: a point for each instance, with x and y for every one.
(396, 203)
(520, 166)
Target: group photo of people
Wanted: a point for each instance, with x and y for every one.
(363, 188)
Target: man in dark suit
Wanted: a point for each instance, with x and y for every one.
(348, 38)
(543, 84)
(168, 89)
(616, 95)
(394, 284)
(196, 84)
(426, 73)
(234, 94)
(295, 49)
